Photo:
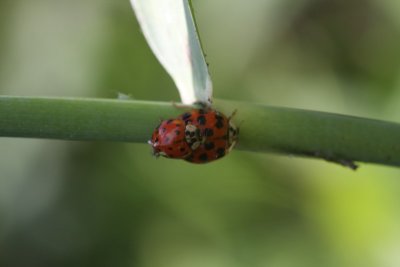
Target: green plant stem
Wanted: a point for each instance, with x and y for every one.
(337, 138)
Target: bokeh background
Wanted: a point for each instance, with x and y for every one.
(111, 204)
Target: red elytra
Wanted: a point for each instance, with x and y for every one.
(207, 136)
(168, 140)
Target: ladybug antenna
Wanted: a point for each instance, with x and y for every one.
(233, 114)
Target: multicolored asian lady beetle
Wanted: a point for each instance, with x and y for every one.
(168, 140)
(218, 135)
(199, 136)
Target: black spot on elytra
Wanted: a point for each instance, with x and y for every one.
(170, 148)
(203, 157)
(169, 121)
(177, 124)
(209, 146)
(208, 132)
(201, 120)
(177, 132)
(220, 152)
(182, 149)
(219, 124)
(186, 116)
(219, 117)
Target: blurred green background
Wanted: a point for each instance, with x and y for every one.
(112, 204)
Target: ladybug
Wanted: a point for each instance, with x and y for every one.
(168, 140)
(199, 136)
(217, 134)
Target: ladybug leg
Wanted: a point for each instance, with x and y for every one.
(231, 125)
(233, 132)
(232, 146)
(161, 154)
(232, 115)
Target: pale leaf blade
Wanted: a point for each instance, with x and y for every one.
(170, 32)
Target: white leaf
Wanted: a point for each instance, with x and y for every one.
(170, 31)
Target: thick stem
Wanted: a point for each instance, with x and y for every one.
(337, 138)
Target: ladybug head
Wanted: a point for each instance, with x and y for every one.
(156, 151)
(154, 142)
(168, 139)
